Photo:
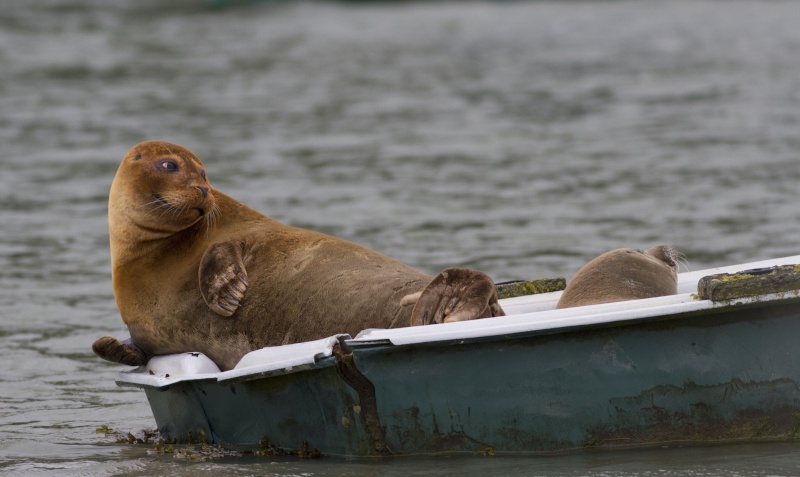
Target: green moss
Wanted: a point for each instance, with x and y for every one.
(199, 448)
(530, 287)
(304, 451)
(203, 452)
(749, 283)
(143, 437)
(104, 429)
(795, 427)
(732, 277)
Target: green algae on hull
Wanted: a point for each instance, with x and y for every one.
(199, 448)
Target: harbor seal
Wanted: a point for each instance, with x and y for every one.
(623, 274)
(195, 270)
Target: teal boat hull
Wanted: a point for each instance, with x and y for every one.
(727, 376)
(667, 371)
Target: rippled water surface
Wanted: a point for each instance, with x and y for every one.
(519, 138)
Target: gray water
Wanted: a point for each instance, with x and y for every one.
(519, 138)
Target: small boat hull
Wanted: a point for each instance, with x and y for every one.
(643, 373)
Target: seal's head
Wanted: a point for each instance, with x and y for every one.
(624, 274)
(666, 255)
(160, 189)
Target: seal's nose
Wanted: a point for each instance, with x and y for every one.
(204, 190)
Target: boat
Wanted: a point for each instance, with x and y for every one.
(717, 363)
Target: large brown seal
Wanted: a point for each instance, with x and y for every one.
(195, 270)
(623, 274)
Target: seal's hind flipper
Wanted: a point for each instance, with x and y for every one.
(116, 351)
(456, 294)
(223, 277)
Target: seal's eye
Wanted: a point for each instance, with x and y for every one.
(169, 166)
(203, 175)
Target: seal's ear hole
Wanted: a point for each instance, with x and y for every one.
(168, 165)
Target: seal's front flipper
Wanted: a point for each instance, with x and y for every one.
(456, 294)
(223, 277)
(116, 351)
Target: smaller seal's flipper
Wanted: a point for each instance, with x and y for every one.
(116, 351)
(456, 294)
(223, 277)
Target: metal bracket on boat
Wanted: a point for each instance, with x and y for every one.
(346, 369)
(749, 283)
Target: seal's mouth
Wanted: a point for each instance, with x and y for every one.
(200, 211)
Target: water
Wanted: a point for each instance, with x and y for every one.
(522, 139)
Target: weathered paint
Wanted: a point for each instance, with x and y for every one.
(179, 413)
(708, 378)
(290, 411)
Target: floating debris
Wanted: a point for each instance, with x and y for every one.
(144, 437)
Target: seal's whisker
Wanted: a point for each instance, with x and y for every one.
(211, 220)
(165, 210)
(170, 208)
(179, 210)
(147, 204)
(169, 205)
(159, 204)
(217, 215)
(682, 260)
